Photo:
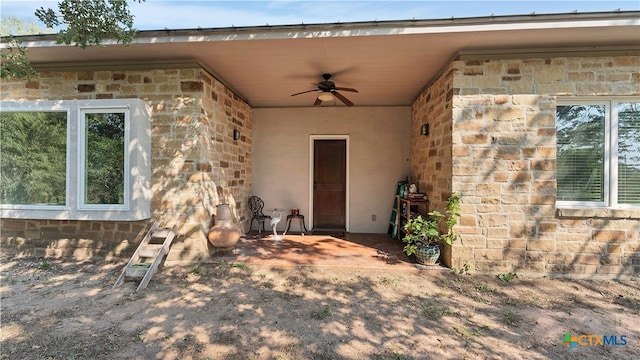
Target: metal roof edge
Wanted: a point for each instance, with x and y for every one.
(411, 23)
(362, 27)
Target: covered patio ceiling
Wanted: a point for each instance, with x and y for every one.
(388, 62)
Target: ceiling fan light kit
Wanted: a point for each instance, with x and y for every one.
(325, 96)
(328, 91)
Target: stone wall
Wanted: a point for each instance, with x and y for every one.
(504, 116)
(196, 164)
(503, 162)
(504, 148)
(431, 155)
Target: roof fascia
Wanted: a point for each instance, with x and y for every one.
(375, 28)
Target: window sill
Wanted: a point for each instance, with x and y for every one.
(141, 212)
(598, 213)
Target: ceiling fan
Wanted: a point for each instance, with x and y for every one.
(328, 90)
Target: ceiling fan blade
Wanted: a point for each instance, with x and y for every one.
(304, 92)
(342, 98)
(317, 102)
(346, 89)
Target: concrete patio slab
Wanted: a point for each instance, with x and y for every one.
(353, 251)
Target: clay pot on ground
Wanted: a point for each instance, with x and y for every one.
(225, 233)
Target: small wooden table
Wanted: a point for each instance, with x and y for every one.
(406, 207)
(300, 219)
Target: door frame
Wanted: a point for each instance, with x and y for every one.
(312, 139)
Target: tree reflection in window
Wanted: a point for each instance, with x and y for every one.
(629, 153)
(104, 158)
(580, 140)
(33, 150)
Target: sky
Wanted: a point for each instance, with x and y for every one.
(158, 14)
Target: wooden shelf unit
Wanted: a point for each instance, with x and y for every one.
(409, 209)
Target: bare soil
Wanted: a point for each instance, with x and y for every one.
(63, 310)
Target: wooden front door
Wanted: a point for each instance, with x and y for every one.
(329, 183)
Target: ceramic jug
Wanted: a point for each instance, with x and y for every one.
(225, 233)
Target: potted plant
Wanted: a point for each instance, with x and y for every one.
(422, 234)
(421, 238)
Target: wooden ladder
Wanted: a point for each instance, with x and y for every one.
(145, 261)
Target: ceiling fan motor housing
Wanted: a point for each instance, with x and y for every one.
(329, 87)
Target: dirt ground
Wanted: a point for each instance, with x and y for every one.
(63, 310)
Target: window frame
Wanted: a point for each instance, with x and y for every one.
(610, 180)
(137, 164)
(82, 158)
(38, 107)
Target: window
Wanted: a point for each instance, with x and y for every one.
(598, 153)
(102, 161)
(34, 152)
(75, 160)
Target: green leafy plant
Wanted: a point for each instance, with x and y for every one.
(451, 215)
(434, 310)
(510, 318)
(425, 231)
(15, 62)
(420, 231)
(239, 265)
(507, 277)
(44, 265)
(466, 269)
(195, 270)
(92, 21)
(82, 23)
(484, 287)
(323, 313)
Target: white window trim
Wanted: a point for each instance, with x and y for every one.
(610, 154)
(137, 203)
(82, 158)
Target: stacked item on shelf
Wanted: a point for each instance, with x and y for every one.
(417, 196)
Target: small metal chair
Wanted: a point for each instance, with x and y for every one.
(257, 205)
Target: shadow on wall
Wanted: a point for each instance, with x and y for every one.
(517, 192)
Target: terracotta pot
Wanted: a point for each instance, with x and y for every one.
(225, 233)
